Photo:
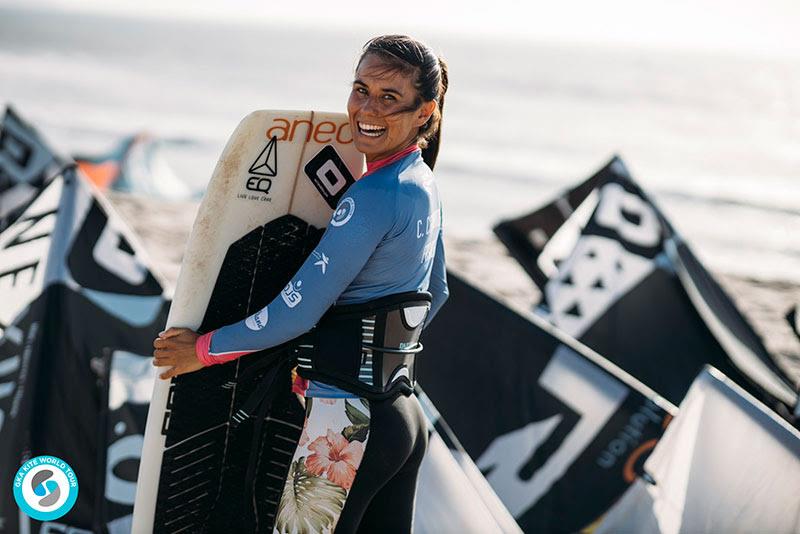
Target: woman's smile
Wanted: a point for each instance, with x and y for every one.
(371, 130)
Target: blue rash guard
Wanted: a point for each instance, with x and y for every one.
(385, 237)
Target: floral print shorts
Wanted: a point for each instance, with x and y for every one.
(324, 465)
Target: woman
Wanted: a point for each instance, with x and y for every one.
(362, 443)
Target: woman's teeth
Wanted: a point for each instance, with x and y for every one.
(370, 130)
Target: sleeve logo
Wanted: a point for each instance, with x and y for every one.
(258, 320)
(291, 294)
(322, 260)
(344, 212)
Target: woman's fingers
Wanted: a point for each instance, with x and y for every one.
(164, 344)
(163, 359)
(175, 350)
(169, 373)
(168, 344)
(171, 332)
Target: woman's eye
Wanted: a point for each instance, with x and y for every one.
(361, 90)
(389, 98)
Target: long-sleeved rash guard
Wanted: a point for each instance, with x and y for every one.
(385, 237)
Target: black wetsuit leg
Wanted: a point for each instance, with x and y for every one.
(382, 496)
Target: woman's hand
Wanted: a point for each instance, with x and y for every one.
(175, 349)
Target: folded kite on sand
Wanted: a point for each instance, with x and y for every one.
(627, 285)
(79, 309)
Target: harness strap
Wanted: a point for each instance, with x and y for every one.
(260, 399)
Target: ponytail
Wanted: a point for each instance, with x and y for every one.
(433, 139)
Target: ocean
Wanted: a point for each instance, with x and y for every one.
(713, 136)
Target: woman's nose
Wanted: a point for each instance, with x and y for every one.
(370, 106)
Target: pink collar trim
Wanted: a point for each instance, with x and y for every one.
(373, 166)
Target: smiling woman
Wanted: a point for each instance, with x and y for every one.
(382, 109)
(374, 281)
(397, 99)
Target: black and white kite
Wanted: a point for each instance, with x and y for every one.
(630, 288)
(559, 432)
(727, 463)
(78, 314)
(26, 166)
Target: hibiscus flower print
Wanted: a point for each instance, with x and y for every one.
(336, 457)
(324, 465)
(309, 504)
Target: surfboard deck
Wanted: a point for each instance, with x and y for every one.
(266, 207)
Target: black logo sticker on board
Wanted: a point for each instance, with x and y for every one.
(265, 166)
(329, 175)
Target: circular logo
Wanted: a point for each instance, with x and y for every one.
(343, 212)
(45, 488)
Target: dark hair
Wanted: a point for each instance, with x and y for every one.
(407, 55)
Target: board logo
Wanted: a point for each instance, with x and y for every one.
(329, 174)
(291, 294)
(258, 320)
(45, 488)
(344, 212)
(264, 167)
(321, 132)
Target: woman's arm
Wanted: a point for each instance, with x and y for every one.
(361, 220)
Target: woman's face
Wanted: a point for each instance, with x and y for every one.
(382, 111)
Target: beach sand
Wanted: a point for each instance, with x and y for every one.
(163, 228)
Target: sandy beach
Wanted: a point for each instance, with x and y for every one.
(164, 226)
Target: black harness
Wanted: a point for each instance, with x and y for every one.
(366, 349)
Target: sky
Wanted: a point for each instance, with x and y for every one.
(748, 26)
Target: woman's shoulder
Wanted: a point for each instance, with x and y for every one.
(415, 177)
(413, 172)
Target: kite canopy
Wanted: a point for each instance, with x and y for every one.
(559, 432)
(630, 288)
(79, 311)
(136, 165)
(26, 165)
(725, 464)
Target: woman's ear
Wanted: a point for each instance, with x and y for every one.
(425, 112)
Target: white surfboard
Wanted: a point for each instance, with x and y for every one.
(270, 196)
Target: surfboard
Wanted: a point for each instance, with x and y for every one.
(267, 204)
